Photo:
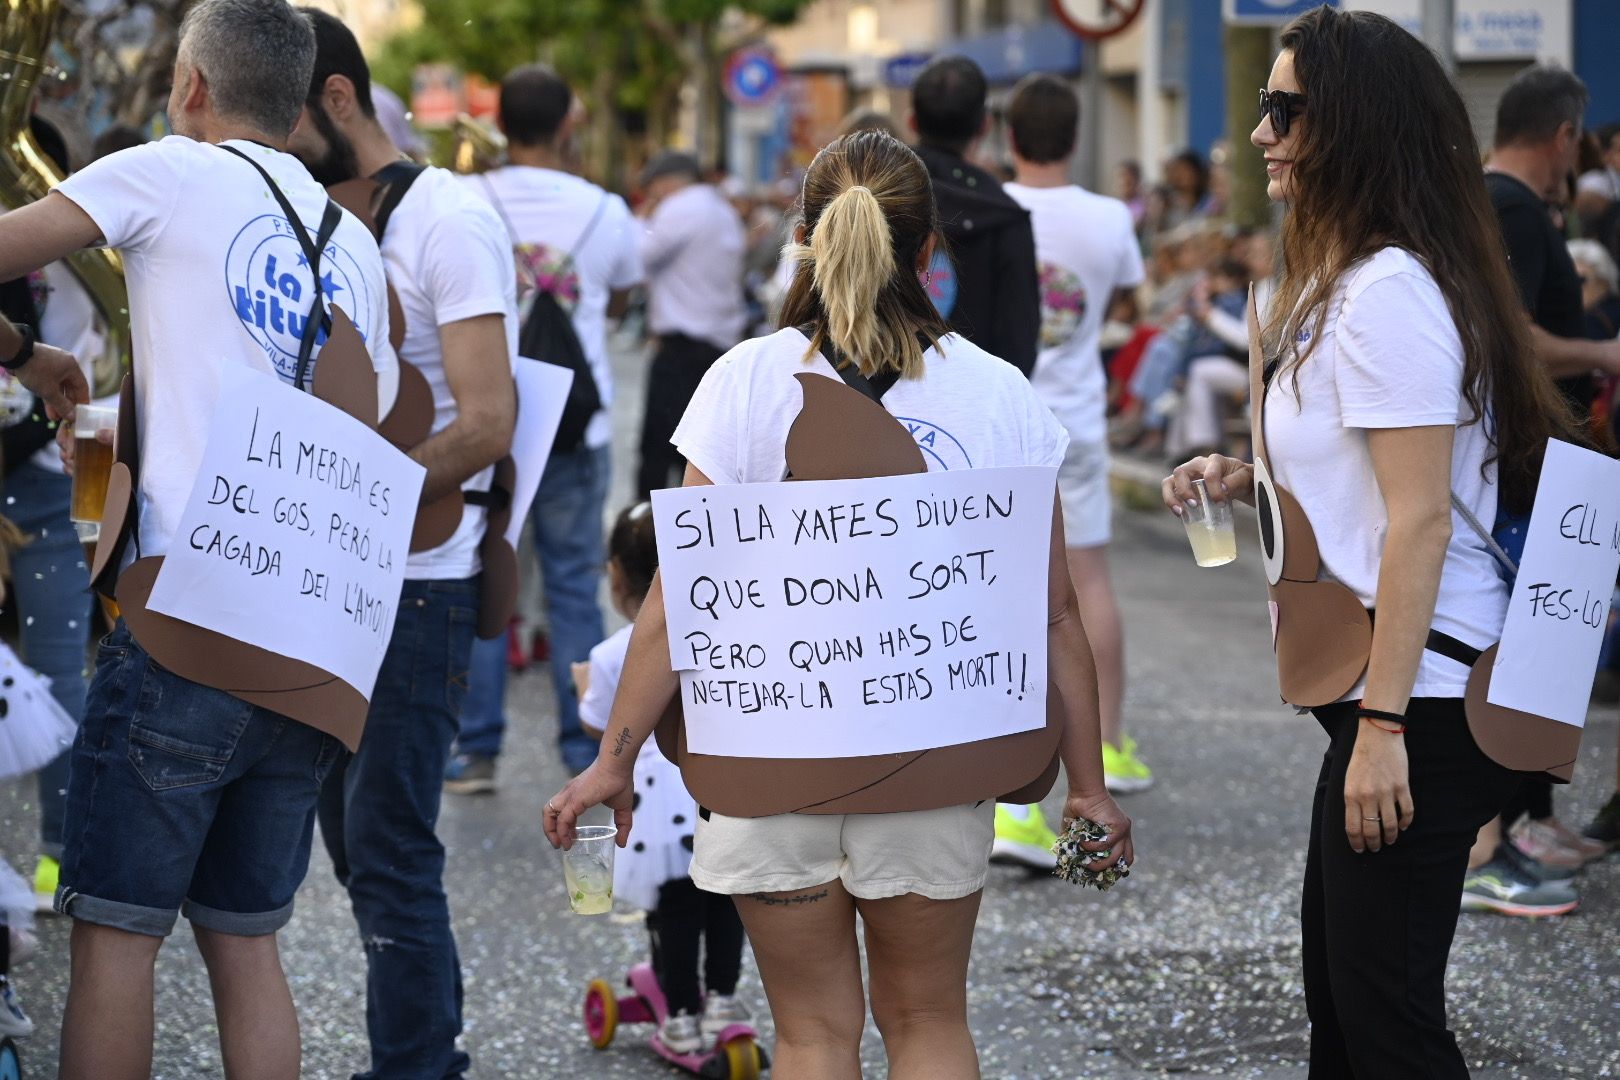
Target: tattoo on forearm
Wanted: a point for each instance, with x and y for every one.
(788, 901)
(620, 742)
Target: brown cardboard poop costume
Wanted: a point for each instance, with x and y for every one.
(344, 378)
(840, 434)
(410, 422)
(1323, 635)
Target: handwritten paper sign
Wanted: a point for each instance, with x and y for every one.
(542, 391)
(295, 535)
(1560, 606)
(843, 618)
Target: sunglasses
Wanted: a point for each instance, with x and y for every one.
(1281, 106)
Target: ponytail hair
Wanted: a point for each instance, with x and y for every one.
(868, 214)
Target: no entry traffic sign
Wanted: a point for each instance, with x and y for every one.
(1097, 19)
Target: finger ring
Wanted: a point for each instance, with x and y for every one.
(553, 809)
(1380, 818)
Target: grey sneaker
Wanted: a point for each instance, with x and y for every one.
(720, 1011)
(1502, 887)
(470, 774)
(681, 1034)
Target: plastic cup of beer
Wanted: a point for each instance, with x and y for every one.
(92, 466)
(588, 869)
(1209, 529)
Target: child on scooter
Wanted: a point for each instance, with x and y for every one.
(652, 871)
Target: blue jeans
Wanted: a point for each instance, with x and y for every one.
(1163, 361)
(185, 798)
(378, 812)
(568, 537)
(51, 584)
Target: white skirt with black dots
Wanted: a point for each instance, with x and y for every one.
(660, 848)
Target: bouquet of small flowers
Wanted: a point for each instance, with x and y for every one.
(1095, 868)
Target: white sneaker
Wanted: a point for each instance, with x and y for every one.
(681, 1034)
(23, 946)
(720, 1011)
(14, 1023)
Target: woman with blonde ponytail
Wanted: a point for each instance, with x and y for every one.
(860, 298)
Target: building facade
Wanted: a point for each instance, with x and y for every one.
(1162, 82)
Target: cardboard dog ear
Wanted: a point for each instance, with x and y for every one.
(1323, 638)
(1518, 740)
(344, 376)
(841, 434)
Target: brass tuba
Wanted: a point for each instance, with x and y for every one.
(27, 175)
(475, 146)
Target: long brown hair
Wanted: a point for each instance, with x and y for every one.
(1387, 156)
(868, 211)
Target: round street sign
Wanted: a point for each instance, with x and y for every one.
(752, 77)
(1097, 19)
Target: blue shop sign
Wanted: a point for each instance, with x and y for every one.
(1269, 12)
(1009, 53)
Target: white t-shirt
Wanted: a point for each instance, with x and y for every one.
(448, 259)
(214, 276)
(1389, 357)
(1085, 248)
(968, 411)
(607, 667)
(546, 213)
(660, 848)
(1604, 182)
(693, 252)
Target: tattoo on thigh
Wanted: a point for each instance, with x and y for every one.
(620, 741)
(789, 901)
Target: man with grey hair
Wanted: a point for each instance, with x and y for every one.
(182, 797)
(1524, 863)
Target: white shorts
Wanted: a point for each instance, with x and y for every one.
(940, 854)
(1088, 503)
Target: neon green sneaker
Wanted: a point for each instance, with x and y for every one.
(1123, 771)
(1022, 837)
(46, 875)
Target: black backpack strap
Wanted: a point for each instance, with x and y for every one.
(850, 372)
(318, 318)
(396, 179)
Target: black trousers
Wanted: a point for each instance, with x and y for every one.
(678, 365)
(687, 917)
(1533, 797)
(1378, 926)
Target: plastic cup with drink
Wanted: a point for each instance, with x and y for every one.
(588, 869)
(1209, 528)
(93, 428)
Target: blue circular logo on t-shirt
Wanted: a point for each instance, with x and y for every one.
(938, 445)
(268, 281)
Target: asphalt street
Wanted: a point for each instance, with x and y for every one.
(1190, 967)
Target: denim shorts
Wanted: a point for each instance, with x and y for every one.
(184, 799)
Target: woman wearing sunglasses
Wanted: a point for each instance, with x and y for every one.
(1400, 374)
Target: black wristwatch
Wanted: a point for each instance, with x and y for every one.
(26, 352)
